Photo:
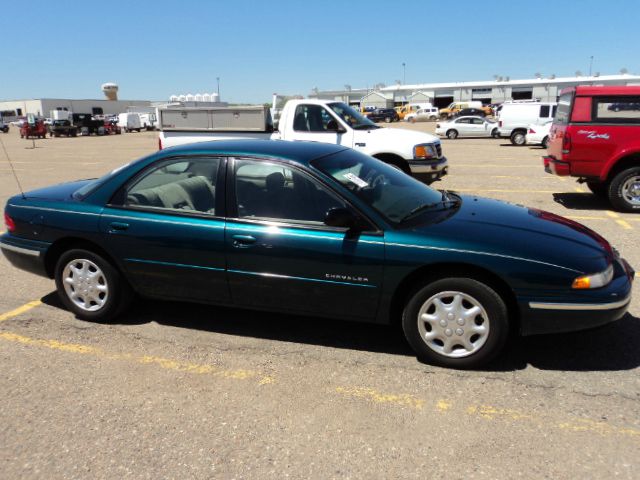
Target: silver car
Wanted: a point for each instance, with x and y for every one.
(467, 127)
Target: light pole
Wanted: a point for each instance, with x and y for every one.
(404, 73)
(218, 82)
(590, 64)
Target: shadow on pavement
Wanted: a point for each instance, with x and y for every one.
(607, 348)
(581, 201)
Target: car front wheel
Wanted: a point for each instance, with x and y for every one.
(456, 322)
(90, 286)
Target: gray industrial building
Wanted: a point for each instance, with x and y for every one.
(43, 106)
(494, 91)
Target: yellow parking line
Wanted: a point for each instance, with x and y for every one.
(487, 412)
(580, 190)
(24, 308)
(624, 224)
(164, 363)
(612, 214)
(574, 217)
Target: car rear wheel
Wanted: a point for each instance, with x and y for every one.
(624, 190)
(495, 133)
(456, 322)
(90, 286)
(545, 142)
(387, 119)
(452, 134)
(518, 138)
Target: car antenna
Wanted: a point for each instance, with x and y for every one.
(12, 169)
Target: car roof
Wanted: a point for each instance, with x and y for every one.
(301, 152)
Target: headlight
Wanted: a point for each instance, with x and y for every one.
(595, 280)
(424, 151)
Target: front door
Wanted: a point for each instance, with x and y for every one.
(314, 123)
(164, 229)
(281, 255)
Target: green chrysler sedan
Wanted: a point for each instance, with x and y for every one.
(320, 230)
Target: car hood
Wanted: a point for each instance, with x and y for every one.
(498, 228)
(400, 136)
(60, 192)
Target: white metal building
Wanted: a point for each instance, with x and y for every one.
(493, 91)
(44, 106)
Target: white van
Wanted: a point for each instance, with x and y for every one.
(129, 122)
(148, 121)
(514, 118)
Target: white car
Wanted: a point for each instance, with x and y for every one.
(467, 127)
(538, 134)
(422, 115)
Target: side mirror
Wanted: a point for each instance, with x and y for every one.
(340, 217)
(334, 126)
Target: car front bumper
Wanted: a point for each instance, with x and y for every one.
(584, 310)
(429, 171)
(28, 255)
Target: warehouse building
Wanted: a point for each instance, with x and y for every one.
(494, 91)
(43, 106)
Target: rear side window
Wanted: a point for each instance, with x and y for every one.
(616, 109)
(564, 108)
(544, 111)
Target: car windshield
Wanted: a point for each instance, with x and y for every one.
(351, 116)
(393, 194)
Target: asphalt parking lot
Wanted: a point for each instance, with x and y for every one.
(182, 391)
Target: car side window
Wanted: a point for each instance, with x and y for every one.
(462, 120)
(312, 118)
(183, 184)
(544, 111)
(273, 191)
(477, 121)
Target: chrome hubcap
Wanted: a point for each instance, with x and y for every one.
(631, 190)
(85, 284)
(453, 324)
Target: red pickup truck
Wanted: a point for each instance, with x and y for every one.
(595, 136)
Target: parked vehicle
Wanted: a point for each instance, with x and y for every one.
(129, 122)
(324, 121)
(386, 115)
(514, 118)
(111, 127)
(63, 128)
(36, 129)
(322, 230)
(87, 124)
(539, 134)
(455, 107)
(4, 127)
(409, 108)
(598, 144)
(422, 115)
(467, 127)
(471, 112)
(148, 121)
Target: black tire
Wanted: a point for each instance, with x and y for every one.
(495, 133)
(484, 347)
(623, 190)
(519, 138)
(452, 134)
(545, 142)
(387, 119)
(118, 292)
(599, 189)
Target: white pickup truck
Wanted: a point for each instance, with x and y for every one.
(325, 121)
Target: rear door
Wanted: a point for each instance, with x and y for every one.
(166, 227)
(282, 256)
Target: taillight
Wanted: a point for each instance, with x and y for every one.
(531, 130)
(566, 143)
(8, 221)
(500, 124)
(159, 143)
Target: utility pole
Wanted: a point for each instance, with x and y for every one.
(404, 73)
(218, 81)
(590, 64)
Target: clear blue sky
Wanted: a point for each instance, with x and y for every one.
(152, 49)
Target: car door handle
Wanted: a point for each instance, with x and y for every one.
(118, 226)
(243, 241)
